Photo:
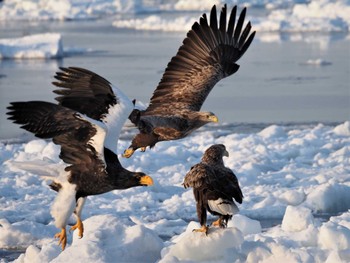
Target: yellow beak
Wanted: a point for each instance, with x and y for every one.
(213, 118)
(146, 180)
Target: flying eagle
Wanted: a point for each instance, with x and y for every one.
(214, 188)
(209, 53)
(91, 163)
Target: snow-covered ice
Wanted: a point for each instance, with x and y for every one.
(281, 16)
(37, 46)
(33, 46)
(297, 174)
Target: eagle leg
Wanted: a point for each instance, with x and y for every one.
(219, 223)
(203, 229)
(128, 152)
(62, 236)
(143, 149)
(79, 225)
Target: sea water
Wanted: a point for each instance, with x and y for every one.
(283, 77)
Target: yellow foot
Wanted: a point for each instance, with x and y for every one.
(79, 225)
(143, 149)
(62, 236)
(219, 223)
(203, 229)
(128, 152)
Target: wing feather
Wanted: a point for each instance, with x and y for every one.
(80, 148)
(88, 93)
(208, 54)
(84, 91)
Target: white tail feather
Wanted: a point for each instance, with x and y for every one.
(223, 207)
(38, 167)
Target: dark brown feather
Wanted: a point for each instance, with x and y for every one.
(84, 91)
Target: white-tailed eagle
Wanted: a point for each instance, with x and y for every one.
(209, 53)
(214, 188)
(89, 153)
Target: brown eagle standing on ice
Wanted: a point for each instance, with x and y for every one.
(214, 188)
(209, 53)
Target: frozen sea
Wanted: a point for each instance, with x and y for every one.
(284, 118)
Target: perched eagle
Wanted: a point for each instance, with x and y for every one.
(214, 188)
(89, 153)
(209, 53)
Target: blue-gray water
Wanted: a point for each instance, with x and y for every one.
(273, 85)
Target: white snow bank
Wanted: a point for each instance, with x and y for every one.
(38, 46)
(320, 16)
(319, 199)
(194, 246)
(62, 10)
(106, 239)
(34, 46)
(156, 22)
(317, 15)
(297, 219)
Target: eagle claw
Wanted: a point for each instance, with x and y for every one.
(219, 223)
(62, 236)
(143, 149)
(128, 152)
(79, 225)
(203, 229)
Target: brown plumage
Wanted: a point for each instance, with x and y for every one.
(209, 53)
(214, 187)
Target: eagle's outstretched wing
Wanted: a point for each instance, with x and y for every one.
(84, 91)
(88, 93)
(81, 141)
(208, 54)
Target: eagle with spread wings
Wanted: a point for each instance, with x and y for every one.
(209, 53)
(214, 188)
(88, 145)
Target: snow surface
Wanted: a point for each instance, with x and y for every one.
(297, 174)
(281, 16)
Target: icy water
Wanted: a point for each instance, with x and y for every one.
(274, 84)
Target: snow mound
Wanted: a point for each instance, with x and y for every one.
(317, 15)
(329, 198)
(47, 45)
(297, 219)
(195, 246)
(106, 239)
(246, 225)
(155, 22)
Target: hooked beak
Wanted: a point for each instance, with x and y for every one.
(226, 153)
(213, 118)
(146, 180)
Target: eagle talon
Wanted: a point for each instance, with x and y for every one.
(219, 223)
(203, 229)
(79, 225)
(62, 236)
(143, 149)
(128, 152)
